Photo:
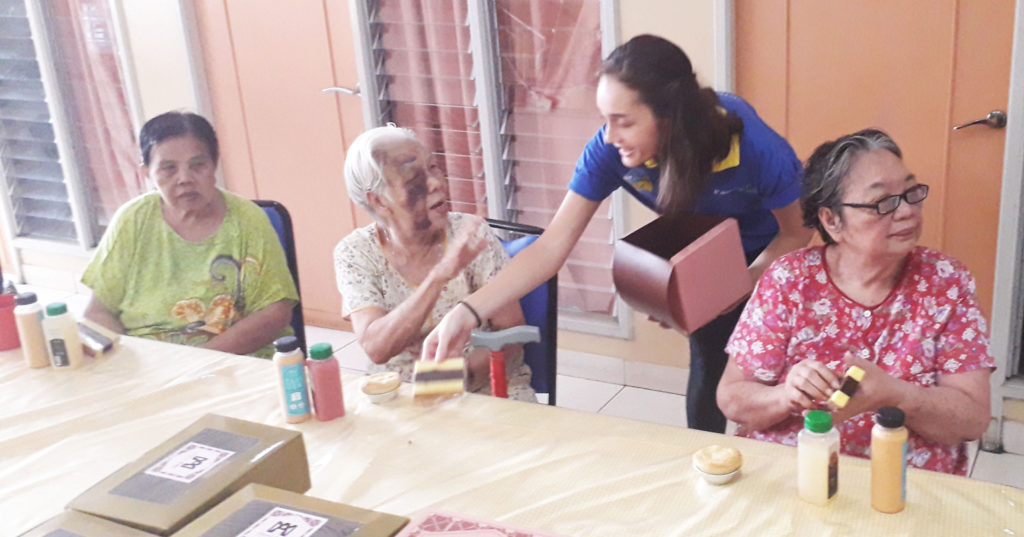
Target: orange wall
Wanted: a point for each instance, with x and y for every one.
(817, 70)
(282, 138)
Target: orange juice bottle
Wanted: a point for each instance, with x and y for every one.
(889, 461)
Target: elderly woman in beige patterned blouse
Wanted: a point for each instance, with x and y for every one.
(399, 275)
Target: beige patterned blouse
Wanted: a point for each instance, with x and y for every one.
(367, 280)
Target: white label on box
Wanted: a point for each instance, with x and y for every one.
(281, 522)
(189, 462)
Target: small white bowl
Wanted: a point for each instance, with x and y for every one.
(378, 398)
(716, 479)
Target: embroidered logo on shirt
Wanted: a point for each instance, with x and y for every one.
(639, 180)
(747, 189)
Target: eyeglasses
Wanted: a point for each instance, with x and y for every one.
(887, 205)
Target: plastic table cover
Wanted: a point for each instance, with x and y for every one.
(527, 465)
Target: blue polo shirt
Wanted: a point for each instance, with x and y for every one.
(760, 173)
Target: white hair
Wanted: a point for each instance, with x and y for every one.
(364, 172)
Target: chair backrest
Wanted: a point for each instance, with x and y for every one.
(282, 222)
(540, 309)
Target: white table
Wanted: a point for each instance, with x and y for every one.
(525, 464)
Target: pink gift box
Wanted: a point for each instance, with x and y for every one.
(683, 272)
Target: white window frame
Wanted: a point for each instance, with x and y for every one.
(483, 38)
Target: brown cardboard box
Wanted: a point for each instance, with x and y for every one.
(257, 510)
(75, 524)
(181, 478)
(683, 272)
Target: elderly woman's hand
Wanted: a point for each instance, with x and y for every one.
(807, 383)
(878, 389)
(468, 244)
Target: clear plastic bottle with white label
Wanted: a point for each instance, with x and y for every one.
(61, 331)
(28, 316)
(293, 392)
(817, 453)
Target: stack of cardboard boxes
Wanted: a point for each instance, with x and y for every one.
(219, 477)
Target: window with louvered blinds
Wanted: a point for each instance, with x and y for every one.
(545, 55)
(550, 53)
(425, 78)
(28, 150)
(68, 155)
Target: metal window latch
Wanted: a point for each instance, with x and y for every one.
(995, 119)
(341, 89)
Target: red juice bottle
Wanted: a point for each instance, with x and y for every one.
(325, 376)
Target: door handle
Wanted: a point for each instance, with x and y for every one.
(995, 119)
(342, 89)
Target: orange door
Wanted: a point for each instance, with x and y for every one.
(282, 139)
(914, 68)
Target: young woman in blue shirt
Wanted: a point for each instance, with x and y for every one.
(676, 147)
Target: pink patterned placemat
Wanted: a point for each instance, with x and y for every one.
(441, 523)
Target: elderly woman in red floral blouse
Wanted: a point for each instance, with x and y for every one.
(870, 297)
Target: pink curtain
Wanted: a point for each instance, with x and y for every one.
(82, 32)
(429, 69)
(550, 57)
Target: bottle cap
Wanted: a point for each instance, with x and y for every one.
(890, 416)
(818, 421)
(286, 344)
(56, 308)
(25, 298)
(320, 351)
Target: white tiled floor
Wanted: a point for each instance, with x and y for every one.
(1002, 468)
(647, 405)
(577, 390)
(585, 394)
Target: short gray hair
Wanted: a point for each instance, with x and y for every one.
(364, 171)
(828, 167)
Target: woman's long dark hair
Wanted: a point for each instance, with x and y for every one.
(692, 131)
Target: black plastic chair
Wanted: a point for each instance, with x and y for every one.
(282, 222)
(540, 308)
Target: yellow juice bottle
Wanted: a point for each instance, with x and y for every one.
(889, 461)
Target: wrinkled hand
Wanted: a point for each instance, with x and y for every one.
(450, 336)
(878, 389)
(808, 383)
(462, 251)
